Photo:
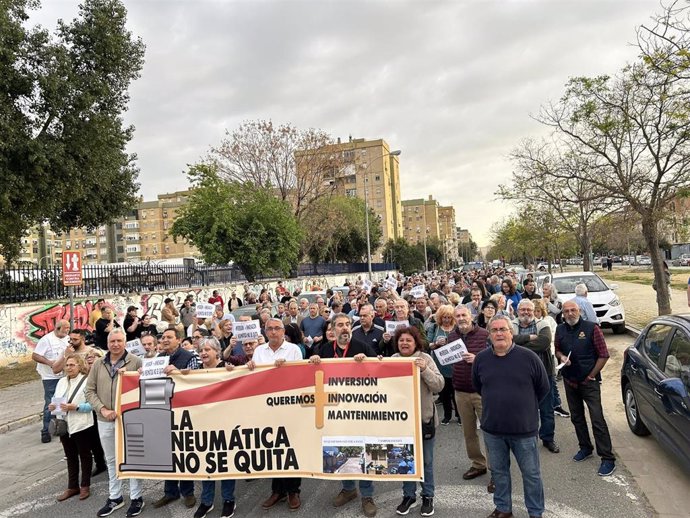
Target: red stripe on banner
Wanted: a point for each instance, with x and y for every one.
(271, 381)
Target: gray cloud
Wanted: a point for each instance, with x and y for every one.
(450, 83)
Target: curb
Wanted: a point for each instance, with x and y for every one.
(19, 423)
(632, 330)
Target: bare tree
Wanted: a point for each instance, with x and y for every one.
(550, 178)
(664, 42)
(634, 131)
(298, 165)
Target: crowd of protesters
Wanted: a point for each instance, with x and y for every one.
(516, 333)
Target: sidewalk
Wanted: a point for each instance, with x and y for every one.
(21, 405)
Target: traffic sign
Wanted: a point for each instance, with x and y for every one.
(71, 269)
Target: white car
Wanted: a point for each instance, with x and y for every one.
(607, 305)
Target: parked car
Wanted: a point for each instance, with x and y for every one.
(608, 306)
(576, 261)
(681, 260)
(655, 381)
(644, 260)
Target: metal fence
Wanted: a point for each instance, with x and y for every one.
(31, 283)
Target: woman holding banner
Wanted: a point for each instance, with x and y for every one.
(409, 344)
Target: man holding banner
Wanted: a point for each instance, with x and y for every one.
(276, 352)
(100, 393)
(344, 347)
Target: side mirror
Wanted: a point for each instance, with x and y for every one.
(613, 286)
(673, 387)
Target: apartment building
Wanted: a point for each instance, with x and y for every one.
(421, 220)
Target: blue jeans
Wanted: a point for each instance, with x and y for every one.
(410, 487)
(366, 487)
(554, 392)
(208, 491)
(526, 453)
(546, 417)
(173, 488)
(49, 387)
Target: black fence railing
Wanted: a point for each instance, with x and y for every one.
(31, 283)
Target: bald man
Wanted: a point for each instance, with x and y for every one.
(46, 353)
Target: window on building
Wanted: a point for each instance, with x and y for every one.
(377, 178)
(351, 193)
(349, 155)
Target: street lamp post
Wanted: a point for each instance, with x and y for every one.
(366, 204)
(426, 257)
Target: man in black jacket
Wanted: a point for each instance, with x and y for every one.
(345, 347)
(179, 359)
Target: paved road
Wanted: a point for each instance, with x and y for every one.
(32, 474)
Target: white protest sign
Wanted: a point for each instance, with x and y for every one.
(246, 330)
(390, 284)
(418, 291)
(392, 325)
(366, 285)
(136, 348)
(58, 402)
(153, 367)
(204, 310)
(451, 353)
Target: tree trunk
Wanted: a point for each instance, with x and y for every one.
(586, 246)
(651, 237)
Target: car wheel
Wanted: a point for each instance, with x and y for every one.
(618, 329)
(632, 412)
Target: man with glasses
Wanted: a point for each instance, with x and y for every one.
(276, 352)
(511, 381)
(536, 336)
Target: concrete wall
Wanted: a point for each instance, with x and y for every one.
(22, 325)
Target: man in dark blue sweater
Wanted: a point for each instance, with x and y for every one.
(512, 381)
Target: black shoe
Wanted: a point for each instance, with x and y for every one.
(203, 510)
(135, 507)
(110, 507)
(406, 504)
(427, 506)
(228, 509)
(46, 438)
(561, 412)
(552, 446)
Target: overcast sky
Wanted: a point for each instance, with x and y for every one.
(450, 83)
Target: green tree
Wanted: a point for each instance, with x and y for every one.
(336, 230)
(409, 258)
(63, 142)
(240, 223)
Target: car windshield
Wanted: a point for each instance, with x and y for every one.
(567, 284)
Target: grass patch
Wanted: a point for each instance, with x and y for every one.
(18, 373)
(679, 277)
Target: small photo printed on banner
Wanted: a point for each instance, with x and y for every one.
(389, 455)
(343, 454)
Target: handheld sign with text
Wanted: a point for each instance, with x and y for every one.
(153, 367)
(246, 330)
(451, 353)
(366, 286)
(392, 325)
(390, 284)
(204, 310)
(418, 291)
(136, 348)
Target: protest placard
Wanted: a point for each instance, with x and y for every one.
(153, 367)
(418, 291)
(366, 286)
(390, 284)
(305, 421)
(451, 353)
(136, 348)
(204, 310)
(392, 325)
(246, 330)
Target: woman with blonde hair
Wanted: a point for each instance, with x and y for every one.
(80, 430)
(437, 333)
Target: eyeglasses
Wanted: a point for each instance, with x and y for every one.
(274, 328)
(197, 337)
(499, 330)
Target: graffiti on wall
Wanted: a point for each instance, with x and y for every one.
(23, 325)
